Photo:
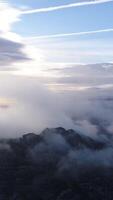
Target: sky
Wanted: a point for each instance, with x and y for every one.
(55, 57)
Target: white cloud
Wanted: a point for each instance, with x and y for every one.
(9, 16)
(65, 6)
(70, 34)
(32, 107)
(13, 49)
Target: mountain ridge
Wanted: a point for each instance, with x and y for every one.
(57, 164)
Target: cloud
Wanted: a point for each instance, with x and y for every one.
(9, 16)
(13, 49)
(11, 52)
(71, 160)
(4, 106)
(61, 7)
(45, 54)
(71, 34)
(78, 163)
(82, 76)
(34, 107)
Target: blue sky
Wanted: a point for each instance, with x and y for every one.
(76, 19)
(84, 18)
(86, 48)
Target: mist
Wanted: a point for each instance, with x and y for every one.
(29, 105)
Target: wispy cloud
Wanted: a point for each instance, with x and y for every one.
(11, 52)
(71, 34)
(65, 6)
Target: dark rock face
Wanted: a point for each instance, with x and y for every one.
(58, 164)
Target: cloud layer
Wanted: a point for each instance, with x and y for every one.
(33, 106)
(11, 52)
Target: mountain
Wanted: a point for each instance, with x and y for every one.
(56, 164)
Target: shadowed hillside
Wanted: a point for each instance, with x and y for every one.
(57, 164)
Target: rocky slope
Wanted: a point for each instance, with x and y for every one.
(57, 164)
